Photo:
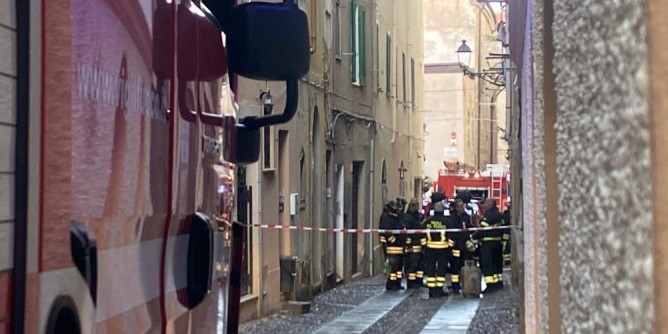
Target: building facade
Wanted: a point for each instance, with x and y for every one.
(461, 113)
(350, 147)
(398, 100)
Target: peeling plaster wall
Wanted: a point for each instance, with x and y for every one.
(603, 160)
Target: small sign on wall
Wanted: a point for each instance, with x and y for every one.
(450, 152)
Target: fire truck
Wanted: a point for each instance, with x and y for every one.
(122, 213)
(489, 183)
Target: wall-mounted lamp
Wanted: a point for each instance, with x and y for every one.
(494, 76)
(267, 102)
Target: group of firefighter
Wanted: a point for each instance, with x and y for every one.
(436, 252)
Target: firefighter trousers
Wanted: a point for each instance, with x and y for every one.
(436, 267)
(506, 252)
(456, 264)
(413, 270)
(395, 274)
(491, 263)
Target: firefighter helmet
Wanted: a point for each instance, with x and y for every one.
(394, 206)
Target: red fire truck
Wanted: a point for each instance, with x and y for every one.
(126, 152)
(490, 183)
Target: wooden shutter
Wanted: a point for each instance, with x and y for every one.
(362, 45)
(353, 39)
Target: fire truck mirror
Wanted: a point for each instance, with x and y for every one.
(248, 145)
(268, 41)
(200, 49)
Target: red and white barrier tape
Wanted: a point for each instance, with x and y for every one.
(362, 230)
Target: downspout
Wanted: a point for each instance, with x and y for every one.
(479, 64)
(372, 180)
(394, 121)
(394, 103)
(372, 161)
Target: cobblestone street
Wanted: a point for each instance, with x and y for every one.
(364, 307)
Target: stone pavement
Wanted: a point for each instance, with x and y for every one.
(363, 316)
(365, 307)
(454, 317)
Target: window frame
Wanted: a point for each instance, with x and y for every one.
(403, 74)
(388, 64)
(413, 88)
(358, 44)
(338, 52)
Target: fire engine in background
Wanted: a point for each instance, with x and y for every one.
(489, 183)
(126, 153)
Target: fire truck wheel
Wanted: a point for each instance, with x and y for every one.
(63, 317)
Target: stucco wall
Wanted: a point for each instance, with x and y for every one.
(603, 160)
(536, 9)
(530, 173)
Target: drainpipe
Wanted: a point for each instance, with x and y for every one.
(394, 121)
(372, 160)
(372, 179)
(479, 64)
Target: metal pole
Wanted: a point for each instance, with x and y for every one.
(479, 64)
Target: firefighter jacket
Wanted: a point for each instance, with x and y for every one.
(412, 222)
(459, 222)
(491, 218)
(392, 243)
(437, 239)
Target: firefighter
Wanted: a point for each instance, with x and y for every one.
(437, 252)
(436, 197)
(412, 221)
(402, 202)
(393, 244)
(491, 249)
(506, 236)
(460, 220)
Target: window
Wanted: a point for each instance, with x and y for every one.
(403, 75)
(337, 30)
(268, 149)
(413, 101)
(313, 23)
(358, 67)
(328, 28)
(302, 181)
(377, 57)
(309, 9)
(396, 77)
(388, 64)
(268, 144)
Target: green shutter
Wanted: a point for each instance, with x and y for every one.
(362, 48)
(353, 39)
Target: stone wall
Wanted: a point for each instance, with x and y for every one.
(603, 156)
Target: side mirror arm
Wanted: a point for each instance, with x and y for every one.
(291, 101)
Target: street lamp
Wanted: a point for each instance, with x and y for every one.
(464, 53)
(494, 76)
(267, 102)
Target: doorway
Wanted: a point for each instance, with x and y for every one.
(283, 192)
(354, 219)
(340, 178)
